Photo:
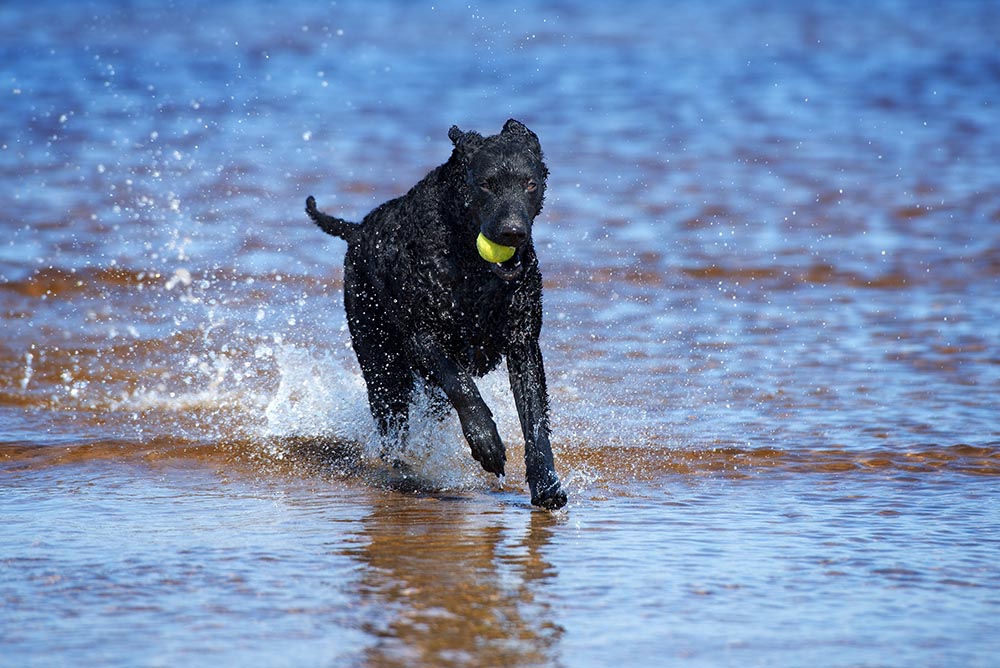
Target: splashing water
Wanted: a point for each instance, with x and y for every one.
(320, 395)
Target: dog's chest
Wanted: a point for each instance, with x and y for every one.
(481, 310)
(480, 325)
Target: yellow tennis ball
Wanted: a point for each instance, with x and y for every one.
(492, 251)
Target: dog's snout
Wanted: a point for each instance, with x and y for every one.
(512, 235)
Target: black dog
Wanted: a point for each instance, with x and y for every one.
(422, 302)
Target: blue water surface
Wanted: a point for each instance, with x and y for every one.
(771, 249)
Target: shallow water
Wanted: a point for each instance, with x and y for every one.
(771, 246)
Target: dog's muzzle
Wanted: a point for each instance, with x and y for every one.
(512, 231)
(511, 269)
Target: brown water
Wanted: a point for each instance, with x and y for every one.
(772, 258)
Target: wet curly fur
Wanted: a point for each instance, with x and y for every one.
(422, 304)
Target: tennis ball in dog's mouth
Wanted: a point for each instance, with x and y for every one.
(492, 251)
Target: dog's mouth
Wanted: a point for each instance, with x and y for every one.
(510, 269)
(505, 261)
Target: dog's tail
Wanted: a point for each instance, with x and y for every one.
(335, 226)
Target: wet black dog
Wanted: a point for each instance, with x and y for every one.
(423, 303)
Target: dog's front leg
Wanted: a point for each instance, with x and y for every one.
(527, 382)
(477, 421)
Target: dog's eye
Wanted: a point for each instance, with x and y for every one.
(484, 186)
(531, 186)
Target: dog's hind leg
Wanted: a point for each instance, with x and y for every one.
(389, 398)
(390, 386)
(387, 373)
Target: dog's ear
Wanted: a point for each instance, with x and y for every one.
(515, 127)
(466, 143)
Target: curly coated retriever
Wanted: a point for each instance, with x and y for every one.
(423, 303)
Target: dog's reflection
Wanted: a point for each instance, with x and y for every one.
(445, 585)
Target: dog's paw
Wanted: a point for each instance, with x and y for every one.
(490, 453)
(550, 497)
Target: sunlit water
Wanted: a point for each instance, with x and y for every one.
(771, 247)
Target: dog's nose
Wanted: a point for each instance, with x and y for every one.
(512, 235)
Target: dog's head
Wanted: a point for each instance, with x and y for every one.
(504, 187)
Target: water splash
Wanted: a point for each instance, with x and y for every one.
(317, 395)
(28, 370)
(321, 395)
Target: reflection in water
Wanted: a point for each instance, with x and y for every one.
(446, 585)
